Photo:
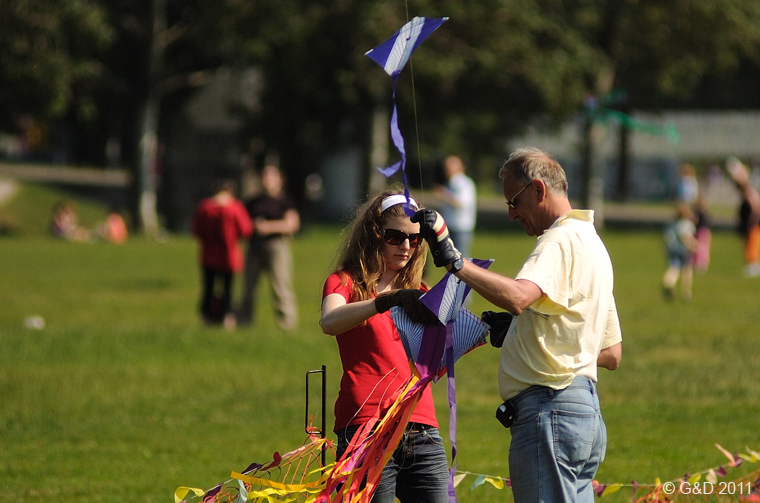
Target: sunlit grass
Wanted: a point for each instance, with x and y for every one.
(124, 396)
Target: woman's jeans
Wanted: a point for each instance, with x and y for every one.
(558, 442)
(417, 472)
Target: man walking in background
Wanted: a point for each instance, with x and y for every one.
(459, 203)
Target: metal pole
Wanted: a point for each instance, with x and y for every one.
(324, 398)
(309, 429)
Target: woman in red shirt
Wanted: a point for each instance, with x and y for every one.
(219, 223)
(381, 265)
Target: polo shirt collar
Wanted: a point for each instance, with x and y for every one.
(580, 215)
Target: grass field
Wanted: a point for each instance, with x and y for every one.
(124, 396)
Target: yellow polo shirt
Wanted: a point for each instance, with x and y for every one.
(560, 335)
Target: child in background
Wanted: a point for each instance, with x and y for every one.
(65, 223)
(680, 244)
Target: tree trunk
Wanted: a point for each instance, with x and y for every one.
(148, 134)
(147, 170)
(379, 143)
(592, 170)
(592, 173)
(587, 160)
(623, 187)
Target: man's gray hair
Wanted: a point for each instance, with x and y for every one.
(528, 164)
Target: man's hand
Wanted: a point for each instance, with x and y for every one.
(499, 325)
(433, 229)
(410, 301)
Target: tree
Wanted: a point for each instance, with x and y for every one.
(49, 58)
(649, 48)
(477, 79)
(493, 68)
(165, 49)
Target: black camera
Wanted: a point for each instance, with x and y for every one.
(505, 413)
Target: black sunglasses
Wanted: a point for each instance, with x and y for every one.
(394, 237)
(511, 201)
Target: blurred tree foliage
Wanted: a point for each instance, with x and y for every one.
(484, 75)
(49, 61)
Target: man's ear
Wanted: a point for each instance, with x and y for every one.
(540, 187)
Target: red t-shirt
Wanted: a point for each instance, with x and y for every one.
(219, 227)
(375, 367)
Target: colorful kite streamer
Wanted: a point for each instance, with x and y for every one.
(598, 110)
(297, 477)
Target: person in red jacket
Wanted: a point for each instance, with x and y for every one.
(219, 222)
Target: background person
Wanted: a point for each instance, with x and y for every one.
(275, 219)
(114, 229)
(565, 325)
(64, 223)
(218, 223)
(702, 221)
(459, 203)
(380, 265)
(680, 246)
(749, 215)
(688, 184)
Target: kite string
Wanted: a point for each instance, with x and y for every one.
(416, 124)
(414, 106)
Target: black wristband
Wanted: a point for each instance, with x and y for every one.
(456, 266)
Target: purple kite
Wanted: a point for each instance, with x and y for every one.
(392, 55)
(435, 348)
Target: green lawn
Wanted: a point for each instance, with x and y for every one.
(124, 396)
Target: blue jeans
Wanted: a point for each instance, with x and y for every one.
(558, 442)
(418, 471)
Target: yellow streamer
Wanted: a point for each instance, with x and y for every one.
(277, 486)
(267, 494)
(610, 489)
(498, 482)
(752, 457)
(182, 492)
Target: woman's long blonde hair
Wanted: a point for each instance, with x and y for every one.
(361, 254)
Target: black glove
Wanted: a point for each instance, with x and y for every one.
(410, 301)
(499, 323)
(433, 229)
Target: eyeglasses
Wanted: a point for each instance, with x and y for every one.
(511, 200)
(395, 238)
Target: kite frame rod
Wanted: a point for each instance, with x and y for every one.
(307, 426)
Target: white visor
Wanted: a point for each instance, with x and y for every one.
(395, 199)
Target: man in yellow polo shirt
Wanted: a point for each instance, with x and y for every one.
(565, 325)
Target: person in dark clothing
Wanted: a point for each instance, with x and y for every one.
(275, 219)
